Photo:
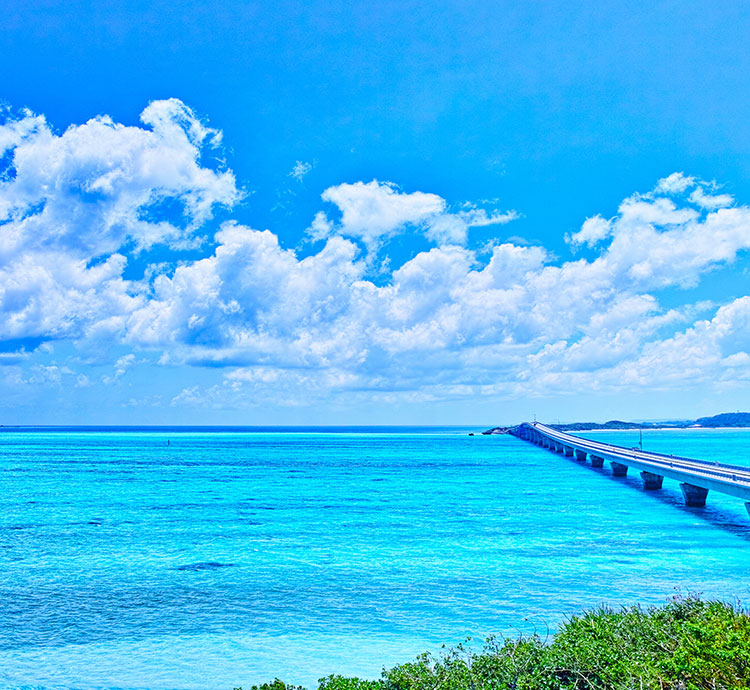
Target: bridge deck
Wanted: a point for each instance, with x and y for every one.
(729, 479)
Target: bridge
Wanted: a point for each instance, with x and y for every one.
(696, 477)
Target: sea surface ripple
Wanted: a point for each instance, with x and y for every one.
(211, 559)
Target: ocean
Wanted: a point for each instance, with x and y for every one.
(186, 559)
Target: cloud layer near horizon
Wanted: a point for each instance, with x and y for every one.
(78, 209)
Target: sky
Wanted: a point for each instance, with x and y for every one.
(315, 213)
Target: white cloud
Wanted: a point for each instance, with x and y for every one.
(447, 228)
(14, 131)
(321, 227)
(453, 228)
(702, 194)
(90, 189)
(15, 357)
(676, 183)
(479, 217)
(450, 322)
(299, 170)
(82, 381)
(75, 200)
(445, 319)
(643, 210)
(708, 352)
(592, 231)
(375, 211)
(121, 366)
(710, 201)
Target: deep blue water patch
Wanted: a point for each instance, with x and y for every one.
(205, 565)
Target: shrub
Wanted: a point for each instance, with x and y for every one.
(687, 644)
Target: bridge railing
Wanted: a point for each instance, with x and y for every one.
(696, 477)
(729, 473)
(706, 463)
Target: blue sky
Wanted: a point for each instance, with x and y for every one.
(475, 212)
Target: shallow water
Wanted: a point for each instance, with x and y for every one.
(228, 558)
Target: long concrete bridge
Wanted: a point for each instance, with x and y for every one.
(696, 477)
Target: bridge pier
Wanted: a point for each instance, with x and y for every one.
(619, 470)
(695, 496)
(581, 455)
(651, 481)
(596, 461)
(559, 448)
(567, 451)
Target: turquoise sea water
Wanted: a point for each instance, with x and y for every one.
(158, 559)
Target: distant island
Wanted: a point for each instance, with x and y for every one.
(726, 419)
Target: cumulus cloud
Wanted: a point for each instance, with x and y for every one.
(592, 231)
(91, 189)
(15, 130)
(702, 194)
(451, 321)
(710, 201)
(445, 318)
(676, 183)
(710, 351)
(70, 204)
(375, 211)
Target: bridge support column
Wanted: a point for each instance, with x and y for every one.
(651, 481)
(619, 470)
(695, 496)
(596, 461)
(558, 448)
(567, 451)
(581, 455)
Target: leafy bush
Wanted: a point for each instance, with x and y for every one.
(275, 684)
(688, 644)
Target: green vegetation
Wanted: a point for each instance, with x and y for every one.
(740, 419)
(727, 419)
(688, 644)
